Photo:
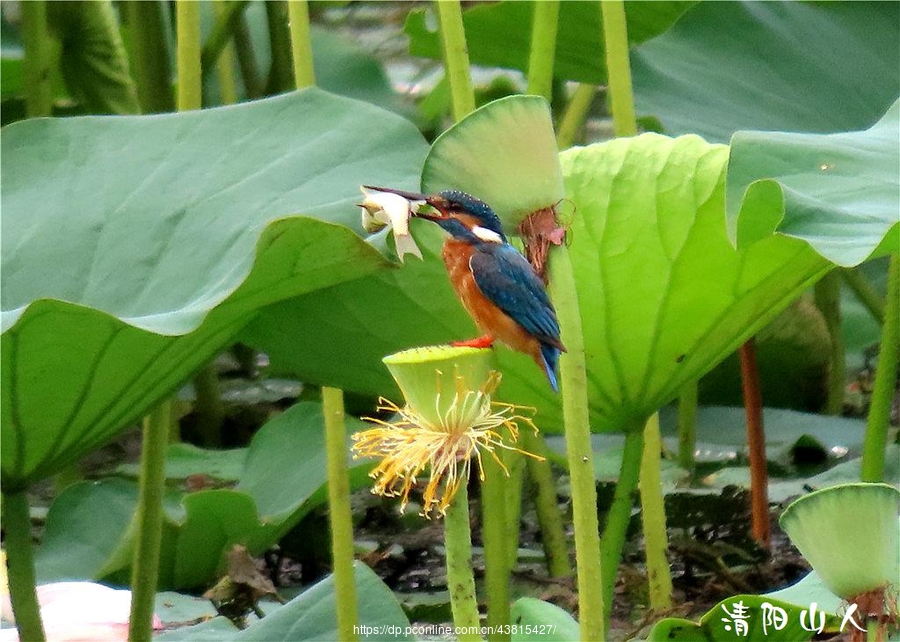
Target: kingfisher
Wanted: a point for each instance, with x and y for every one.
(497, 286)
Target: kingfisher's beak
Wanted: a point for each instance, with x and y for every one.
(436, 201)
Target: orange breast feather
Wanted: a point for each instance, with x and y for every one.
(487, 316)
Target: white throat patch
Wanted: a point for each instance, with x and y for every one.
(486, 235)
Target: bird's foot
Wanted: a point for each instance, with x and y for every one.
(487, 341)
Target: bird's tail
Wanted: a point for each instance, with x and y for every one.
(550, 356)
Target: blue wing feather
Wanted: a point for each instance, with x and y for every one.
(507, 279)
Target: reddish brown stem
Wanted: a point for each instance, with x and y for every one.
(756, 443)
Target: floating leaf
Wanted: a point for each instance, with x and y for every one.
(542, 620)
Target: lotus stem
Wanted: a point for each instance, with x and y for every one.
(225, 62)
(515, 466)
(756, 444)
(148, 520)
(496, 547)
(246, 56)
(828, 300)
(301, 43)
(460, 578)
(228, 20)
(864, 292)
(190, 87)
(340, 514)
(580, 455)
(553, 535)
(875, 440)
(280, 71)
(687, 426)
(20, 566)
(149, 48)
(208, 408)
(620, 511)
(618, 67)
(544, 26)
(36, 65)
(456, 57)
(653, 516)
(575, 114)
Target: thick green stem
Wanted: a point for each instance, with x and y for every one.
(190, 87)
(574, 115)
(228, 19)
(864, 292)
(653, 517)
(280, 73)
(149, 48)
(543, 48)
(20, 566)
(496, 556)
(148, 520)
(208, 408)
(573, 377)
(243, 47)
(224, 64)
(553, 534)
(460, 578)
(828, 300)
(687, 426)
(456, 57)
(618, 67)
(36, 66)
(515, 464)
(885, 381)
(340, 514)
(301, 43)
(620, 511)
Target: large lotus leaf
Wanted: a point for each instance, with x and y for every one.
(664, 295)
(135, 247)
(499, 35)
(788, 66)
(839, 192)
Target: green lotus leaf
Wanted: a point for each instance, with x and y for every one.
(778, 66)
(839, 192)
(663, 294)
(499, 35)
(136, 247)
(309, 616)
(542, 620)
(504, 153)
(849, 534)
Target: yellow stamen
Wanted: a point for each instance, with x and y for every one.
(470, 425)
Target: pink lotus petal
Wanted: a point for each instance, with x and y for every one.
(80, 612)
